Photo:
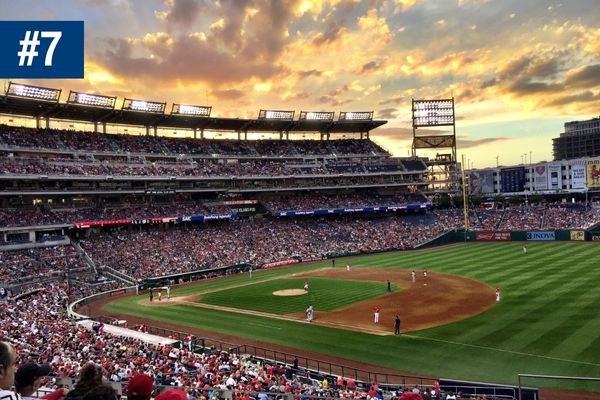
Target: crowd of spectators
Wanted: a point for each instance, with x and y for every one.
(39, 261)
(187, 167)
(522, 218)
(153, 252)
(37, 327)
(37, 216)
(98, 142)
(565, 216)
(354, 200)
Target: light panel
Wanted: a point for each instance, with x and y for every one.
(186, 109)
(356, 116)
(33, 92)
(88, 99)
(317, 115)
(144, 105)
(276, 114)
(433, 112)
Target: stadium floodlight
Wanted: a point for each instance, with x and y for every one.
(144, 105)
(88, 99)
(433, 112)
(356, 116)
(33, 92)
(316, 115)
(276, 114)
(194, 111)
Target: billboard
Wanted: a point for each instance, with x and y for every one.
(593, 173)
(481, 181)
(492, 236)
(554, 176)
(540, 177)
(512, 179)
(577, 235)
(541, 235)
(578, 174)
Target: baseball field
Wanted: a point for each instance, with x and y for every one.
(547, 321)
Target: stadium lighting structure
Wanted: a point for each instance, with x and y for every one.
(356, 116)
(194, 111)
(95, 100)
(316, 115)
(33, 92)
(144, 106)
(433, 112)
(276, 114)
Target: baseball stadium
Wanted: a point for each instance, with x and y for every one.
(356, 268)
(271, 248)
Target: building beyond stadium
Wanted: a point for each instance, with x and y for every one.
(580, 139)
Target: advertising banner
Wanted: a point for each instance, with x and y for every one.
(541, 235)
(577, 235)
(593, 173)
(578, 174)
(540, 177)
(512, 179)
(492, 236)
(481, 181)
(554, 176)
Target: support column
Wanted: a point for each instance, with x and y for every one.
(155, 131)
(47, 122)
(202, 133)
(239, 135)
(281, 135)
(38, 123)
(246, 135)
(95, 126)
(104, 127)
(367, 135)
(147, 130)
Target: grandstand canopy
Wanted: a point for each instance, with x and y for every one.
(43, 109)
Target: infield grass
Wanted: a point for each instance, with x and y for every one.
(324, 294)
(548, 321)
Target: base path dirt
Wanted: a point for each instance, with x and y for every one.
(438, 300)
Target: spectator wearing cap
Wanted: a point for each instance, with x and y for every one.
(29, 378)
(8, 359)
(173, 394)
(90, 377)
(140, 387)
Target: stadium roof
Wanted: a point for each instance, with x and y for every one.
(44, 109)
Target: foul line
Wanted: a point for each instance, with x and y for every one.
(502, 350)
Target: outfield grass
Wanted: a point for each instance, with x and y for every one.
(547, 322)
(324, 295)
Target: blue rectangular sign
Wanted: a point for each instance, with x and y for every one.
(541, 235)
(41, 49)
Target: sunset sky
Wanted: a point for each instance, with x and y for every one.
(518, 69)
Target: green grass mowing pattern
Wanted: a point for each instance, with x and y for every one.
(546, 323)
(324, 294)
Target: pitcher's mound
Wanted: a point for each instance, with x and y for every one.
(289, 292)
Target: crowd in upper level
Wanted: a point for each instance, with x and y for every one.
(98, 142)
